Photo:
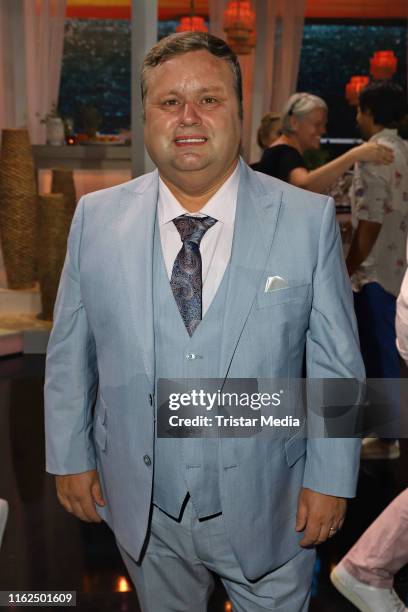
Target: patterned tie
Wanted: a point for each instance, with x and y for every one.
(186, 278)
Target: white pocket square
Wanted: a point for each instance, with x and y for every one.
(273, 283)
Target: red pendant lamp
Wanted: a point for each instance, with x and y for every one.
(239, 25)
(353, 88)
(192, 23)
(383, 65)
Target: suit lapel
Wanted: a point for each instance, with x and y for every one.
(255, 223)
(136, 223)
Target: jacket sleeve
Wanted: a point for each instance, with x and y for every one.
(332, 352)
(71, 376)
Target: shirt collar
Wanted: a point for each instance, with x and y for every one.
(221, 206)
(385, 132)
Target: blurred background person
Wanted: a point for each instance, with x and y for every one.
(303, 122)
(376, 260)
(268, 132)
(365, 576)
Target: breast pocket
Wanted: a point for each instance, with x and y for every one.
(297, 293)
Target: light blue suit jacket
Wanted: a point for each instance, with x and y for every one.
(100, 361)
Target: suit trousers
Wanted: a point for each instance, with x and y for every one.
(383, 549)
(175, 574)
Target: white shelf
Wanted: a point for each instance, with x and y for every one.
(88, 157)
(21, 301)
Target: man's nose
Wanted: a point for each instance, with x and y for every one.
(189, 115)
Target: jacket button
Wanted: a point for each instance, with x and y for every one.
(147, 460)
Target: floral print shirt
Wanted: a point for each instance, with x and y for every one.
(379, 193)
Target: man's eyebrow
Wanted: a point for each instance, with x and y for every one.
(211, 88)
(208, 89)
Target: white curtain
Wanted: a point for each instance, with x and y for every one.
(280, 27)
(44, 36)
(288, 44)
(12, 65)
(270, 72)
(32, 40)
(216, 11)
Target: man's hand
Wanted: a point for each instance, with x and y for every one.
(319, 516)
(79, 493)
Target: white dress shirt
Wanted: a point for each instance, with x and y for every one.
(216, 244)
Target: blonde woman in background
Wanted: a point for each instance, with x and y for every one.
(303, 122)
(268, 131)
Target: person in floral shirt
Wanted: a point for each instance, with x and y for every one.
(376, 259)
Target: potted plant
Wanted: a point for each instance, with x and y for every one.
(55, 127)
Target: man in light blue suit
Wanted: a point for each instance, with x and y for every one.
(201, 269)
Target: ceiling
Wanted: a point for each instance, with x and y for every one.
(172, 9)
(357, 9)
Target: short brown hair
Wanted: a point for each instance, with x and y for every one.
(386, 101)
(184, 42)
(268, 123)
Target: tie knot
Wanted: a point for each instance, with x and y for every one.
(193, 228)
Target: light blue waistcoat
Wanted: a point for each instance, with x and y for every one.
(185, 465)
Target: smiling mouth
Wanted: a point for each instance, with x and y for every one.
(190, 140)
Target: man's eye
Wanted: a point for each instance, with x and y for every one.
(171, 102)
(209, 100)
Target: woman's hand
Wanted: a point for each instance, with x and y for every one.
(373, 152)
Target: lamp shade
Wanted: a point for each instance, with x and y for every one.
(383, 65)
(353, 88)
(239, 25)
(192, 24)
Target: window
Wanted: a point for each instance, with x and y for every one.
(96, 67)
(333, 52)
(96, 73)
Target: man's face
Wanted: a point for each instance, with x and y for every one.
(192, 123)
(365, 123)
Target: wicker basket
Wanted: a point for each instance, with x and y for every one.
(63, 182)
(53, 228)
(18, 208)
